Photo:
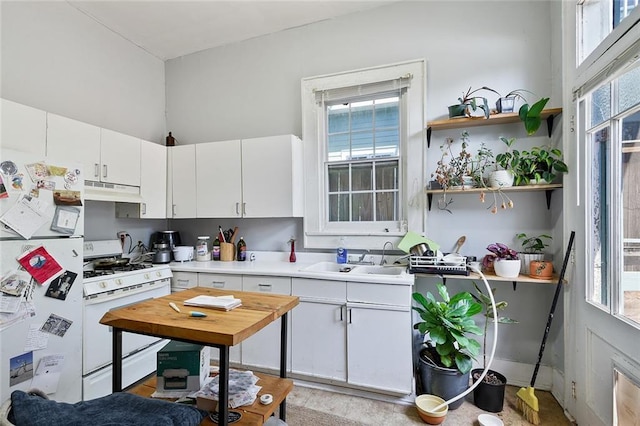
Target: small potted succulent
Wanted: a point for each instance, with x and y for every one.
(470, 102)
(505, 260)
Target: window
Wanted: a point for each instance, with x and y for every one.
(613, 138)
(363, 132)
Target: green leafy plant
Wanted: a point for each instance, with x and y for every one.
(540, 163)
(471, 101)
(534, 244)
(509, 159)
(531, 115)
(448, 324)
(480, 164)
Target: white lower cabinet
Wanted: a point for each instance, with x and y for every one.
(365, 343)
(223, 282)
(183, 280)
(262, 350)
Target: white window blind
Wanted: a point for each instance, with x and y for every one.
(362, 90)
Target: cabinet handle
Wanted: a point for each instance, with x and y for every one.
(341, 316)
(237, 208)
(96, 170)
(173, 210)
(183, 281)
(217, 284)
(264, 287)
(104, 170)
(244, 209)
(144, 208)
(350, 322)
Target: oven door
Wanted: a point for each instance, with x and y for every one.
(97, 338)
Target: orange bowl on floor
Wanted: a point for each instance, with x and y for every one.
(425, 405)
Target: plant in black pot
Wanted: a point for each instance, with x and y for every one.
(489, 394)
(445, 362)
(470, 102)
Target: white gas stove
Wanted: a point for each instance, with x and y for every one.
(111, 282)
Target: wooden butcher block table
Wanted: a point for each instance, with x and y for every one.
(220, 329)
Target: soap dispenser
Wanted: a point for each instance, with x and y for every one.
(341, 253)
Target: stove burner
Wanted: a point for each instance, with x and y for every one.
(115, 269)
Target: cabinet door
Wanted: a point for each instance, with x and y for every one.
(272, 177)
(183, 280)
(218, 170)
(153, 180)
(318, 344)
(386, 366)
(120, 158)
(226, 282)
(23, 128)
(262, 350)
(72, 138)
(183, 181)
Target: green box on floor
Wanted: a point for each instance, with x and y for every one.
(182, 366)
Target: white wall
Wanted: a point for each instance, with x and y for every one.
(57, 59)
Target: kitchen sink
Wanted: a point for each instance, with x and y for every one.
(329, 267)
(379, 270)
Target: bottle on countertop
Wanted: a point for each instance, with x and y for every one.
(242, 250)
(341, 253)
(202, 249)
(215, 251)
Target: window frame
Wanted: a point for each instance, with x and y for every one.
(411, 181)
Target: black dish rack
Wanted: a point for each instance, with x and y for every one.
(431, 265)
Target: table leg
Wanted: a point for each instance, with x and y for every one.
(223, 402)
(283, 362)
(116, 353)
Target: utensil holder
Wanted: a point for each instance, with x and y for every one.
(227, 252)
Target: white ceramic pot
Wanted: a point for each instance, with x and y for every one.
(183, 253)
(501, 179)
(507, 268)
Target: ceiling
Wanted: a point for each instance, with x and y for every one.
(169, 29)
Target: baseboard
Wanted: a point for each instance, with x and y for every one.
(519, 374)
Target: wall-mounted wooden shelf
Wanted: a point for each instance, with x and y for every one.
(548, 189)
(504, 118)
(493, 277)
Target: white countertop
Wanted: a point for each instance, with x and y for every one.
(277, 264)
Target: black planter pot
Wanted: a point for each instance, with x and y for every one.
(489, 396)
(443, 382)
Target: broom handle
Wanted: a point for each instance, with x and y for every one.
(553, 308)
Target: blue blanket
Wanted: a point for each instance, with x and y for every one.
(117, 409)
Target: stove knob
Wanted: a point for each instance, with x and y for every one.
(118, 281)
(103, 284)
(159, 274)
(147, 276)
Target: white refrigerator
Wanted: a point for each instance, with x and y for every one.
(42, 220)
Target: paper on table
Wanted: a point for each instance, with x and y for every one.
(221, 302)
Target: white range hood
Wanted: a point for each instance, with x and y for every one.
(100, 191)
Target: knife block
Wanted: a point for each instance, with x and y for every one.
(227, 252)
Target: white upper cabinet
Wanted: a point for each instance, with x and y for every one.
(252, 178)
(107, 156)
(219, 179)
(272, 182)
(75, 139)
(181, 203)
(119, 158)
(153, 180)
(23, 128)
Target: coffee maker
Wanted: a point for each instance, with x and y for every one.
(164, 241)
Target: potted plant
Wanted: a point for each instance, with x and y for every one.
(507, 102)
(470, 102)
(532, 250)
(445, 361)
(506, 163)
(539, 165)
(489, 395)
(506, 262)
(481, 163)
(531, 116)
(453, 171)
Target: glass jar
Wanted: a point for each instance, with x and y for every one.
(202, 249)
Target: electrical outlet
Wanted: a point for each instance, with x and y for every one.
(122, 235)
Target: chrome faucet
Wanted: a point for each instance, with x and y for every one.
(361, 260)
(362, 256)
(382, 260)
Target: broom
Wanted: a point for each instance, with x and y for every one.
(526, 401)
